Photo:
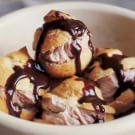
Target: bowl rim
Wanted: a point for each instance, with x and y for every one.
(94, 5)
(8, 120)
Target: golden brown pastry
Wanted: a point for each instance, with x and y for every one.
(114, 73)
(63, 46)
(19, 84)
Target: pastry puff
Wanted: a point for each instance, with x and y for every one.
(17, 58)
(57, 52)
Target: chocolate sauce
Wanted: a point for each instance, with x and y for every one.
(76, 50)
(114, 62)
(38, 79)
(75, 28)
(89, 94)
(53, 83)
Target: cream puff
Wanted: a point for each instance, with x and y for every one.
(20, 84)
(63, 45)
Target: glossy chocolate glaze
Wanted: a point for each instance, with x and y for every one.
(114, 62)
(75, 28)
(38, 79)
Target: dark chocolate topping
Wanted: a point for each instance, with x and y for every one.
(89, 94)
(36, 78)
(75, 28)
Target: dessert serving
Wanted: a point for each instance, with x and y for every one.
(69, 81)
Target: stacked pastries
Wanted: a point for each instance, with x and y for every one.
(68, 82)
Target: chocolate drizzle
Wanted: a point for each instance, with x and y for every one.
(114, 62)
(89, 95)
(36, 78)
(75, 28)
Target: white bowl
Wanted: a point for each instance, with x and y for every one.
(111, 27)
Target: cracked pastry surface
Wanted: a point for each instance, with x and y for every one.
(63, 45)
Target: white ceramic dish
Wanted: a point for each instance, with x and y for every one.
(111, 27)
